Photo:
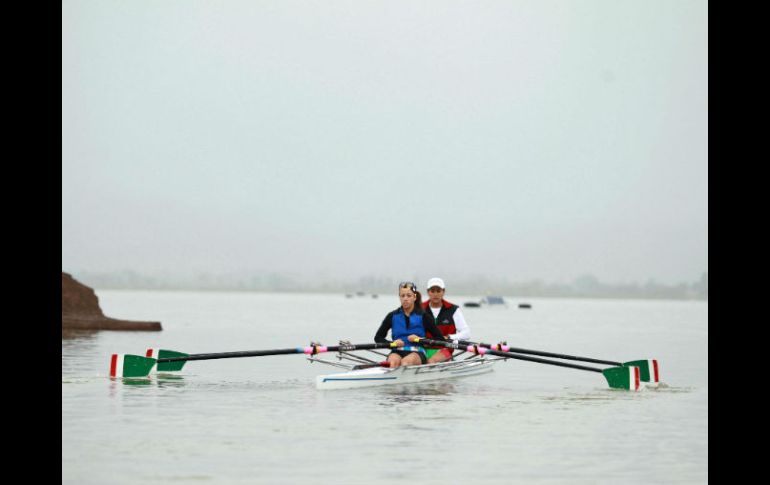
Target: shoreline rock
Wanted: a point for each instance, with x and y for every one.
(80, 310)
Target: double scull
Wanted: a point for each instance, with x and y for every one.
(365, 372)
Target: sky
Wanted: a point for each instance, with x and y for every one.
(512, 139)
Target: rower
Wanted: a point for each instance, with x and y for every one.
(405, 323)
(448, 318)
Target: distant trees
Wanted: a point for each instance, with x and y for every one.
(584, 286)
(701, 288)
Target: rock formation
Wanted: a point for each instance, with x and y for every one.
(80, 310)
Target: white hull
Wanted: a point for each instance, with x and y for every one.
(381, 376)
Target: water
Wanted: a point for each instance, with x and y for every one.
(261, 420)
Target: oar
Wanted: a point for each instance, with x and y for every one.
(128, 365)
(648, 369)
(617, 377)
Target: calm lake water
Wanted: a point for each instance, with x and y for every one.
(261, 419)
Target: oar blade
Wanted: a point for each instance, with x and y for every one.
(167, 354)
(622, 377)
(648, 370)
(128, 365)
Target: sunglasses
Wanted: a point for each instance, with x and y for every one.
(408, 284)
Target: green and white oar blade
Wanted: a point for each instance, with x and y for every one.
(648, 370)
(167, 354)
(127, 365)
(622, 377)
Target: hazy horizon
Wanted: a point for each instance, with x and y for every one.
(522, 140)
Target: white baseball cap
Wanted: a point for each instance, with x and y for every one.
(436, 282)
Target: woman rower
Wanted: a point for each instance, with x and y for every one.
(404, 323)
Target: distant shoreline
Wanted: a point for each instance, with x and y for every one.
(458, 299)
(583, 287)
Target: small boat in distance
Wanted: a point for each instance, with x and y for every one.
(487, 301)
(493, 300)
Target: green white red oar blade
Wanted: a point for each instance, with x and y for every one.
(622, 377)
(167, 354)
(648, 370)
(127, 365)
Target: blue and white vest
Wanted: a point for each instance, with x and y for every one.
(399, 329)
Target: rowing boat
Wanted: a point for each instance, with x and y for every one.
(472, 359)
(381, 376)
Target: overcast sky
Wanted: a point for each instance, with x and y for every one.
(519, 139)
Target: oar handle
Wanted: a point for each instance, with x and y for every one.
(479, 349)
(506, 348)
(311, 350)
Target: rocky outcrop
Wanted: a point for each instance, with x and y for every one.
(80, 310)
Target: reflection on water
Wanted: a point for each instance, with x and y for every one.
(79, 333)
(159, 380)
(418, 392)
(135, 381)
(169, 380)
(610, 396)
(163, 376)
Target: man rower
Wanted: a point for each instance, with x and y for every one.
(448, 318)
